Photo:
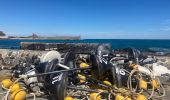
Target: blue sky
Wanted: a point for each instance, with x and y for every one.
(113, 19)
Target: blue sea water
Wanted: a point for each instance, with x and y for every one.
(116, 43)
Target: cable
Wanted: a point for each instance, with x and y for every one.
(33, 95)
(3, 93)
(4, 87)
(129, 83)
(109, 96)
(163, 89)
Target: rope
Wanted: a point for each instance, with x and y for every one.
(33, 95)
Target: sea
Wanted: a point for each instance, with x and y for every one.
(142, 44)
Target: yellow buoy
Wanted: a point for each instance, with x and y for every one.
(128, 98)
(18, 95)
(142, 84)
(14, 87)
(84, 65)
(93, 96)
(6, 83)
(107, 82)
(141, 97)
(119, 97)
(82, 78)
(133, 66)
(155, 84)
(68, 98)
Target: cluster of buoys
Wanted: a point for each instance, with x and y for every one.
(120, 93)
(14, 90)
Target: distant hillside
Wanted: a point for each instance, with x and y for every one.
(2, 33)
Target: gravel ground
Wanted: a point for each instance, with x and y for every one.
(166, 81)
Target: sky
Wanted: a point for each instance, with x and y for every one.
(91, 19)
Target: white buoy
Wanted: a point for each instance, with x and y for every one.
(50, 56)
